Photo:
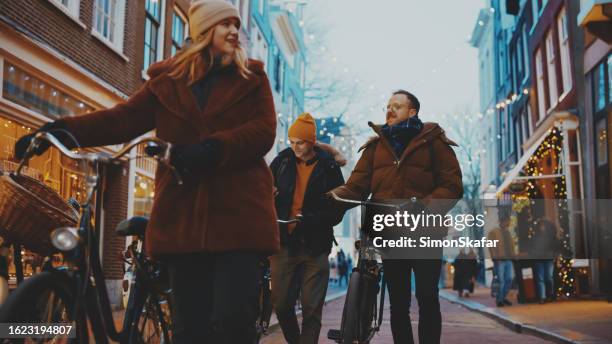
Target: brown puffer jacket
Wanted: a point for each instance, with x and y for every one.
(428, 170)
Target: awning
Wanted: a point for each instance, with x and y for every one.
(514, 172)
(563, 120)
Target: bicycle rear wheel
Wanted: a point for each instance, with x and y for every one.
(350, 314)
(264, 312)
(47, 297)
(152, 322)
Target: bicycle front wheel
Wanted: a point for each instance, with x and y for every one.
(350, 314)
(47, 297)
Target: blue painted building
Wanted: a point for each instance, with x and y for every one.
(276, 37)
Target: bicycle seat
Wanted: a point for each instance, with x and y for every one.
(133, 226)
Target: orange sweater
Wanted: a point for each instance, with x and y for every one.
(304, 171)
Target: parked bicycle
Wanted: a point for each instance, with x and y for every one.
(77, 294)
(365, 296)
(265, 293)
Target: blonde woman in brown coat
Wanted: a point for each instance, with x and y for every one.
(216, 107)
(408, 158)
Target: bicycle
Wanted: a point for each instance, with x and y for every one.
(265, 293)
(77, 293)
(363, 307)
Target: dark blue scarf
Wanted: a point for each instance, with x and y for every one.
(401, 134)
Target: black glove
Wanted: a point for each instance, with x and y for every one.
(57, 128)
(308, 220)
(196, 157)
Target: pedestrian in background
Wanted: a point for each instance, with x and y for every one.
(545, 248)
(502, 256)
(342, 268)
(216, 107)
(465, 273)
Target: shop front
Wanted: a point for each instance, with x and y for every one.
(546, 185)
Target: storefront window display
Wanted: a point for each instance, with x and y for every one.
(144, 192)
(29, 91)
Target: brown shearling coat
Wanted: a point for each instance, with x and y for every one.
(229, 209)
(428, 170)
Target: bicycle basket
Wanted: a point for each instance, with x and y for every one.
(30, 211)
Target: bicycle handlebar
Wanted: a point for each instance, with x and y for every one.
(298, 218)
(366, 203)
(162, 155)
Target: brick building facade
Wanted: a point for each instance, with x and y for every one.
(69, 57)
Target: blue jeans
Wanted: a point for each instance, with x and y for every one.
(544, 278)
(503, 270)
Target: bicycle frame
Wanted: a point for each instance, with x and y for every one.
(371, 284)
(91, 297)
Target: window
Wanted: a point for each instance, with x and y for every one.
(260, 5)
(144, 192)
(153, 32)
(259, 44)
(108, 21)
(519, 60)
(502, 131)
(525, 51)
(37, 95)
(526, 122)
(71, 7)
(278, 79)
(601, 85)
(501, 63)
(281, 77)
(518, 133)
(540, 85)
(609, 78)
(601, 137)
(552, 67)
(536, 11)
(566, 69)
(179, 31)
(244, 13)
(303, 74)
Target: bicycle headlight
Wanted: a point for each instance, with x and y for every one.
(65, 238)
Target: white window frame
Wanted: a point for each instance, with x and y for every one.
(244, 13)
(526, 53)
(529, 121)
(551, 65)
(160, 36)
(259, 44)
(303, 73)
(566, 68)
(72, 10)
(540, 86)
(535, 11)
(185, 26)
(524, 126)
(119, 20)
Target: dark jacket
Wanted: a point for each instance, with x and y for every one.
(230, 209)
(315, 233)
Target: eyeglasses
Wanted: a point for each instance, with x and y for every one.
(393, 107)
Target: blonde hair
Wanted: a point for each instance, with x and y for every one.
(200, 52)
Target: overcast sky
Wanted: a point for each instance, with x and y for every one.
(419, 45)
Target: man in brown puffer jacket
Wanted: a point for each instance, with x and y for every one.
(409, 158)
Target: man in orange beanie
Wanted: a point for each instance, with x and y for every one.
(303, 173)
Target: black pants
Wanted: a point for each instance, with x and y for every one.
(427, 275)
(215, 297)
